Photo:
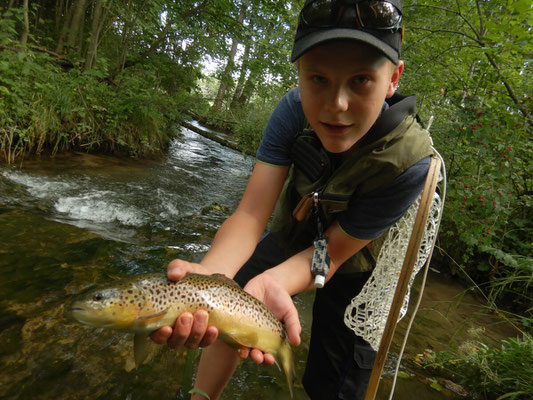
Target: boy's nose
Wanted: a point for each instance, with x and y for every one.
(340, 100)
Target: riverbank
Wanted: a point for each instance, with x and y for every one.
(225, 139)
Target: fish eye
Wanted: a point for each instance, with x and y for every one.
(98, 297)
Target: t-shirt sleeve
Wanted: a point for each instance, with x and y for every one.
(286, 121)
(368, 217)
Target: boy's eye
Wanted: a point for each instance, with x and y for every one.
(318, 79)
(359, 80)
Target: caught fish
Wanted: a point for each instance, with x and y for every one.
(144, 303)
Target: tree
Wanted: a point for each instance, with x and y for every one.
(97, 23)
(230, 63)
(469, 61)
(26, 29)
(71, 34)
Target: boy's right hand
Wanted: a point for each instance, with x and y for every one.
(191, 331)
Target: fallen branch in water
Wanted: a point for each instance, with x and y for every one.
(217, 138)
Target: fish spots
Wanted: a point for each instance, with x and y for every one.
(155, 294)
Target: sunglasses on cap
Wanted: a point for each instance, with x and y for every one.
(369, 14)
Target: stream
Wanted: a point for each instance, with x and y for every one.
(75, 220)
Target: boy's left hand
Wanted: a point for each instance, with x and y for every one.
(276, 298)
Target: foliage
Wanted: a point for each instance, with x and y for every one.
(79, 109)
(126, 101)
(136, 68)
(469, 61)
(504, 372)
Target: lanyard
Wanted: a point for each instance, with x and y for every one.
(320, 261)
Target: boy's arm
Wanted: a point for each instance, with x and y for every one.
(238, 236)
(295, 273)
(234, 243)
(275, 286)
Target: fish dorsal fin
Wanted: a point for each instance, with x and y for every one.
(224, 278)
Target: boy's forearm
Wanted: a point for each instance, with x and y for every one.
(233, 245)
(295, 273)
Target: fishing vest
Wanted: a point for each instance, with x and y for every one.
(371, 166)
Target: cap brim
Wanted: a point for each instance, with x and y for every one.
(313, 39)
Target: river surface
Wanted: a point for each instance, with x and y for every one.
(76, 220)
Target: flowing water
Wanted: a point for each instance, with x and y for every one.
(75, 220)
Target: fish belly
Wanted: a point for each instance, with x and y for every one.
(239, 332)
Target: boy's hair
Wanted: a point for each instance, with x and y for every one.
(377, 23)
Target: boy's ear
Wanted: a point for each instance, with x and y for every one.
(395, 78)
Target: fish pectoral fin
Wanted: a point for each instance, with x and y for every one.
(141, 348)
(224, 278)
(147, 319)
(239, 341)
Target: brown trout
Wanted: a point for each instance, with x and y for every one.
(144, 303)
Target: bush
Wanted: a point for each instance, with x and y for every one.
(47, 107)
(504, 372)
(487, 224)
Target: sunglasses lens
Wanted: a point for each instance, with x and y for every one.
(378, 14)
(319, 13)
(372, 14)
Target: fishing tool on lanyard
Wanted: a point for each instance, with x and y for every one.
(320, 261)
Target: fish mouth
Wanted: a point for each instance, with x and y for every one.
(86, 317)
(79, 313)
(78, 307)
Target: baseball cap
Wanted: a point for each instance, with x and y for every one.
(377, 23)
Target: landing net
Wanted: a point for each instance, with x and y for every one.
(367, 313)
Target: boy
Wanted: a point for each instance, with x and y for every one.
(349, 177)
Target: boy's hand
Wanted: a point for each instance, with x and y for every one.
(193, 331)
(190, 330)
(280, 303)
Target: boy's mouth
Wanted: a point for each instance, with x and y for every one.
(336, 128)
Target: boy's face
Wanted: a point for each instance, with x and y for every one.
(343, 85)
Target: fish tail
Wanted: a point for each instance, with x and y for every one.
(286, 360)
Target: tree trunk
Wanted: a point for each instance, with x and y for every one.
(26, 27)
(59, 11)
(72, 26)
(242, 77)
(78, 38)
(226, 75)
(96, 27)
(249, 86)
(248, 90)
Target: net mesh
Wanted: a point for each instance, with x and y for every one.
(367, 313)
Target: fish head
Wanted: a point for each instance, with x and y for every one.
(115, 307)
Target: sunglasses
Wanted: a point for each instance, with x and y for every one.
(370, 14)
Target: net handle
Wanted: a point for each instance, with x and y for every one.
(409, 261)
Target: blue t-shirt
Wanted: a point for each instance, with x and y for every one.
(367, 217)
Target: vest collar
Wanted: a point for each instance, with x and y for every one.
(399, 107)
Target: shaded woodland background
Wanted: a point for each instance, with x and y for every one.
(119, 76)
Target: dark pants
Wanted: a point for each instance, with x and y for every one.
(339, 363)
